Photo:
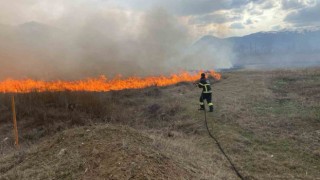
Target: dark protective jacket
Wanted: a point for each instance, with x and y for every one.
(205, 85)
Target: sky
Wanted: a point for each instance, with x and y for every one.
(220, 18)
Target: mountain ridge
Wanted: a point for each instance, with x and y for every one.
(298, 41)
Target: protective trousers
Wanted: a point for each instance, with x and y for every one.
(208, 98)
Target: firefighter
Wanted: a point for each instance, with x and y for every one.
(206, 92)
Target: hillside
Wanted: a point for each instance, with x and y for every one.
(274, 42)
(266, 121)
(286, 48)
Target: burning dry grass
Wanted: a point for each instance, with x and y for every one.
(101, 84)
(268, 123)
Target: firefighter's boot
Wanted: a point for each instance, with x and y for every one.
(211, 108)
(201, 108)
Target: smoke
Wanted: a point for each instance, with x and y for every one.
(89, 41)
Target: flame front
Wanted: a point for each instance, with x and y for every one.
(99, 84)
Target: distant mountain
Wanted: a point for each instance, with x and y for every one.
(209, 40)
(278, 42)
(35, 27)
(302, 41)
(286, 47)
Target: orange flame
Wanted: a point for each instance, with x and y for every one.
(99, 84)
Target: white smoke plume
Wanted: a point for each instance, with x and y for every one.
(84, 40)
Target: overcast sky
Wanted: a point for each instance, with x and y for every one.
(215, 17)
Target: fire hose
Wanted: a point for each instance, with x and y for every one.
(220, 147)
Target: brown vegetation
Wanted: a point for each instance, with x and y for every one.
(267, 121)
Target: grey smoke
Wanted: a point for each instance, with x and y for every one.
(87, 43)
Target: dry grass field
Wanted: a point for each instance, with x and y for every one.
(268, 122)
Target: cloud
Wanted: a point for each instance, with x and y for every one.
(306, 16)
(236, 26)
(189, 7)
(256, 12)
(248, 22)
(217, 18)
(295, 4)
(276, 27)
(268, 5)
(200, 16)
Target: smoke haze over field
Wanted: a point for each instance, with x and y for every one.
(84, 38)
(89, 41)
